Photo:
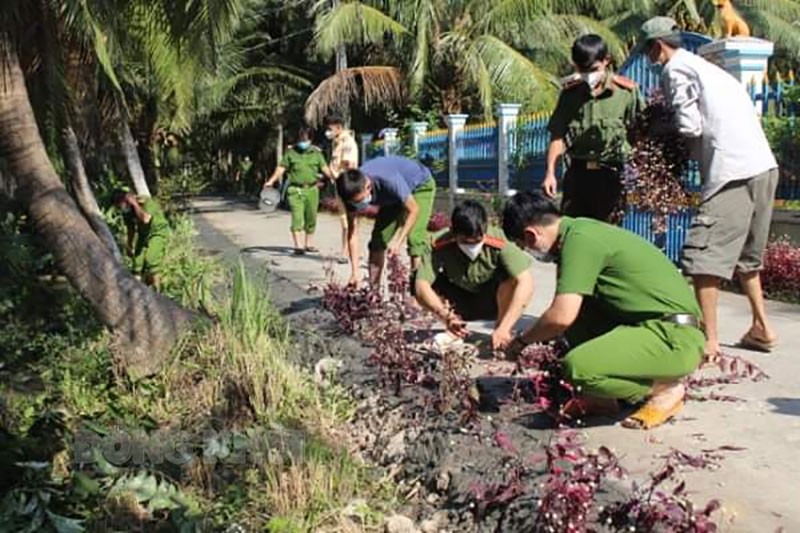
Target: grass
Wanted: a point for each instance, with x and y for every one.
(236, 378)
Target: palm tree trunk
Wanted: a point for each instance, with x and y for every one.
(145, 324)
(131, 155)
(83, 191)
(146, 136)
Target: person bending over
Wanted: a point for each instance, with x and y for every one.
(404, 191)
(478, 273)
(631, 320)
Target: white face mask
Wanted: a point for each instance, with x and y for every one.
(471, 250)
(593, 79)
(329, 135)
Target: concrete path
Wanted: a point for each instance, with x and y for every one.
(758, 486)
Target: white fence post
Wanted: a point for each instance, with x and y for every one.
(746, 59)
(389, 140)
(507, 115)
(418, 129)
(455, 125)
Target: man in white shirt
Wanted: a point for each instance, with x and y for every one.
(344, 156)
(740, 176)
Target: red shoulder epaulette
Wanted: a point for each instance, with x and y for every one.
(494, 242)
(625, 83)
(444, 240)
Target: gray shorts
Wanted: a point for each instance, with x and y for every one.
(731, 228)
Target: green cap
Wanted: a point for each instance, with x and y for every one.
(659, 27)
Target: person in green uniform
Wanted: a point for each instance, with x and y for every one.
(303, 164)
(590, 127)
(631, 320)
(147, 232)
(478, 272)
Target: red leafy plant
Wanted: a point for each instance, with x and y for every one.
(456, 390)
(349, 306)
(653, 178)
(542, 366)
(438, 222)
(733, 369)
(662, 503)
(781, 274)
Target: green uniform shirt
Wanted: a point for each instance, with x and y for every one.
(595, 126)
(627, 276)
(150, 237)
(499, 259)
(303, 167)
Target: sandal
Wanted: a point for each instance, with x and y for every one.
(299, 251)
(342, 260)
(312, 249)
(649, 417)
(750, 342)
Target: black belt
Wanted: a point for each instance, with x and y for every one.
(589, 164)
(683, 320)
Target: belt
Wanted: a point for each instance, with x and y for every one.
(597, 165)
(683, 320)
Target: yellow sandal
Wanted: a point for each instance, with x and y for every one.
(649, 417)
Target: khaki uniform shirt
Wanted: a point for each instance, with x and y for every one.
(345, 150)
(595, 126)
(499, 259)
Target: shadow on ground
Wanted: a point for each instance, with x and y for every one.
(785, 406)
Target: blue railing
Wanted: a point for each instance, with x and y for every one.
(433, 146)
(477, 142)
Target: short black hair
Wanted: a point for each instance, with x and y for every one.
(587, 50)
(305, 134)
(334, 120)
(469, 219)
(350, 183)
(527, 209)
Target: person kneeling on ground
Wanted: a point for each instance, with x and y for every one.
(479, 273)
(147, 231)
(404, 191)
(303, 163)
(631, 320)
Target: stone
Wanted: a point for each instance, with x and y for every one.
(435, 524)
(399, 524)
(354, 510)
(395, 448)
(326, 369)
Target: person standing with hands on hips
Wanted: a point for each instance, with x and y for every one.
(404, 191)
(740, 175)
(303, 163)
(590, 127)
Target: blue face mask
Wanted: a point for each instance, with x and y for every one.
(303, 145)
(363, 204)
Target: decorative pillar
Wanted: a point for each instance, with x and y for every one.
(506, 142)
(389, 140)
(455, 125)
(366, 142)
(418, 129)
(746, 59)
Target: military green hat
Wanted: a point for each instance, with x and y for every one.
(658, 28)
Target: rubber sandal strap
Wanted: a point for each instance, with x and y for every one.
(648, 417)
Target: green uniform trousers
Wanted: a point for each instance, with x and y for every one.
(390, 219)
(613, 360)
(304, 204)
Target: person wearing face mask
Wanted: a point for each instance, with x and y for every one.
(630, 319)
(147, 231)
(478, 273)
(740, 175)
(344, 156)
(590, 128)
(303, 163)
(404, 191)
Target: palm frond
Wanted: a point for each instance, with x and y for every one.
(354, 23)
(372, 86)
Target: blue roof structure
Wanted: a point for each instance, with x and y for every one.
(648, 76)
